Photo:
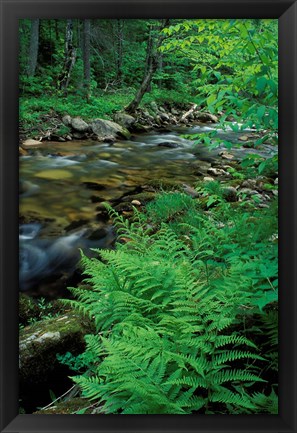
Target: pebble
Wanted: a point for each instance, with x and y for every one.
(217, 172)
(226, 155)
(136, 202)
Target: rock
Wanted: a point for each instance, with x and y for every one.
(123, 207)
(96, 199)
(22, 152)
(27, 144)
(164, 117)
(217, 172)
(66, 120)
(226, 155)
(189, 190)
(206, 117)
(54, 174)
(76, 224)
(249, 183)
(154, 106)
(160, 184)
(168, 144)
(138, 127)
(108, 128)
(249, 192)
(136, 203)
(230, 194)
(98, 234)
(243, 138)
(124, 119)
(102, 215)
(79, 125)
(174, 112)
(208, 179)
(79, 135)
(94, 185)
(143, 197)
(276, 181)
(39, 343)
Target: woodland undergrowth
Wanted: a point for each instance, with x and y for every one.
(185, 309)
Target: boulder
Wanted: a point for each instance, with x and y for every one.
(79, 135)
(104, 128)
(190, 191)
(27, 144)
(226, 155)
(124, 119)
(206, 117)
(79, 125)
(154, 107)
(208, 179)
(249, 183)
(40, 342)
(66, 120)
(217, 172)
(230, 194)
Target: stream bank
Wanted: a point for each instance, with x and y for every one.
(63, 188)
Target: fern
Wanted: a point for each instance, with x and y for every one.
(169, 307)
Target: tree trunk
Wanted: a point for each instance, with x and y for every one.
(33, 50)
(86, 56)
(119, 53)
(160, 69)
(152, 59)
(70, 56)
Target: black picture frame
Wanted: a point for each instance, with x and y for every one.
(13, 10)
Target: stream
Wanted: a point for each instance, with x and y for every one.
(62, 185)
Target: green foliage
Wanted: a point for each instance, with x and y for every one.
(170, 305)
(169, 205)
(236, 66)
(77, 363)
(254, 165)
(32, 109)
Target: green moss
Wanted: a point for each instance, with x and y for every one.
(163, 184)
(28, 309)
(143, 197)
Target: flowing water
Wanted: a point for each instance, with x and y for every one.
(61, 183)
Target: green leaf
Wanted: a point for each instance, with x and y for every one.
(261, 84)
(260, 112)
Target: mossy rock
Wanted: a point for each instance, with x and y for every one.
(54, 174)
(40, 342)
(124, 207)
(143, 197)
(163, 184)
